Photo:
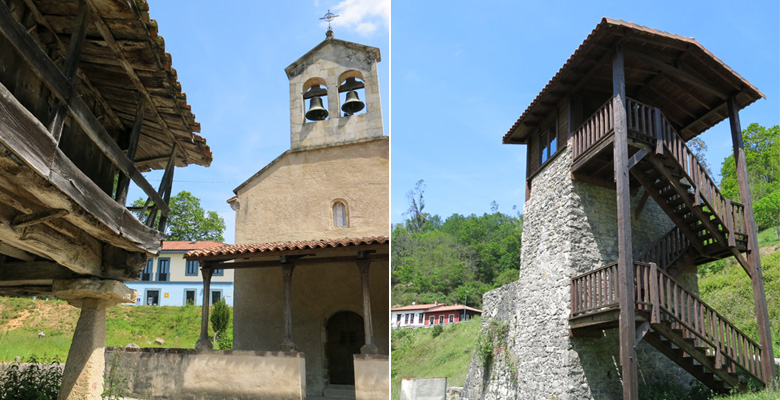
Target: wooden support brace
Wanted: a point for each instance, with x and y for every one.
(36, 218)
(641, 205)
(637, 157)
(642, 330)
(135, 133)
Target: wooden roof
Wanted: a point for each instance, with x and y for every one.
(675, 73)
(124, 61)
(242, 250)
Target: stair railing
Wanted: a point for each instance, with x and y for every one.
(594, 291)
(650, 122)
(667, 301)
(666, 250)
(596, 127)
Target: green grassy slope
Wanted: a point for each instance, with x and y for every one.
(417, 354)
(21, 320)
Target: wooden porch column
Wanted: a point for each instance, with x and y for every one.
(287, 343)
(753, 258)
(203, 342)
(368, 326)
(627, 328)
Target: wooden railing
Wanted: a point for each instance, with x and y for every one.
(668, 302)
(594, 290)
(648, 125)
(667, 250)
(598, 126)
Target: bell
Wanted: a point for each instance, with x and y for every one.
(353, 103)
(316, 112)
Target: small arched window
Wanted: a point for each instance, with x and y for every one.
(339, 214)
(352, 93)
(316, 92)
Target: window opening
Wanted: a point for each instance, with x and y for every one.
(339, 214)
(146, 274)
(163, 266)
(192, 268)
(350, 93)
(318, 103)
(189, 297)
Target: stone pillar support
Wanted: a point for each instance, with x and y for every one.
(368, 326)
(83, 374)
(203, 342)
(287, 343)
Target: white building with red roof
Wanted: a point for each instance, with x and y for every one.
(170, 280)
(422, 315)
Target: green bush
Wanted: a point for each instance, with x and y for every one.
(37, 380)
(220, 319)
(437, 330)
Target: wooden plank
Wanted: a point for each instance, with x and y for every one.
(627, 330)
(28, 273)
(677, 73)
(24, 135)
(22, 221)
(82, 114)
(135, 134)
(14, 252)
(753, 258)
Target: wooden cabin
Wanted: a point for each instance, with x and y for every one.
(624, 105)
(88, 101)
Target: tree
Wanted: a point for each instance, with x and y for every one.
(762, 156)
(417, 218)
(767, 211)
(188, 221)
(220, 319)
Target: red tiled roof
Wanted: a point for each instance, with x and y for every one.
(453, 308)
(190, 245)
(238, 249)
(415, 307)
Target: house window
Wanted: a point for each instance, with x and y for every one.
(218, 272)
(420, 321)
(452, 318)
(146, 274)
(398, 320)
(548, 144)
(339, 214)
(192, 268)
(406, 319)
(163, 267)
(189, 297)
(441, 319)
(430, 322)
(152, 297)
(216, 295)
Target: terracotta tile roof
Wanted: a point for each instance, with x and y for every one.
(238, 249)
(415, 307)
(457, 307)
(598, 37)
(190, 245)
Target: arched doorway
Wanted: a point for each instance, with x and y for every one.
(345, 337)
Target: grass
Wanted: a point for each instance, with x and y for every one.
(417, 354)
(22, 319)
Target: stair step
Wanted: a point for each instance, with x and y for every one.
(340, 392)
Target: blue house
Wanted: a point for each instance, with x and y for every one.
(170, 280)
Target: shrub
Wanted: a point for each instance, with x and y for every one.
(437, 330)
(220, 319)
(34, 380)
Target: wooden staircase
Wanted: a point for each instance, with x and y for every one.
(707, 227)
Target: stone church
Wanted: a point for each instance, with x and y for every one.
(311, 259)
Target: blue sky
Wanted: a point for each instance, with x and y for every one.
(230, 58)
(463, 72)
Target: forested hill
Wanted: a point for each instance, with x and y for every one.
(440, 261)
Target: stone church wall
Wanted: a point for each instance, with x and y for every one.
(569, 228)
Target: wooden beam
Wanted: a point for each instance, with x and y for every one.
(33, 273)
(641, 205)
(714, 111)
(753, 257)
(105, 32)
(14, 252)
(265, 256)
(627, 329)
(45, 68)
(22, 221)
(297, 262)
(71, 66)
(135, 133)
(677, 73)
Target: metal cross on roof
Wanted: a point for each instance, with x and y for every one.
(329, 17)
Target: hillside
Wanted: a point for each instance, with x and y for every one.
(416, 353)
(22, 319)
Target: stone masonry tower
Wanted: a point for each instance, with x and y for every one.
(618, 215)
(328, 74)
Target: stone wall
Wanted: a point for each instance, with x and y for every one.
(372, 377)
(156, 373)
(569, 228)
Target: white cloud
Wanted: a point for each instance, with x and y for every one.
(362, 16)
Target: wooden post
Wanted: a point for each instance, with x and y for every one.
(135, 134)
(287, 270)
(203, 342)
(627, 328)
(753, 258)
(69, 68)
(368, 328)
